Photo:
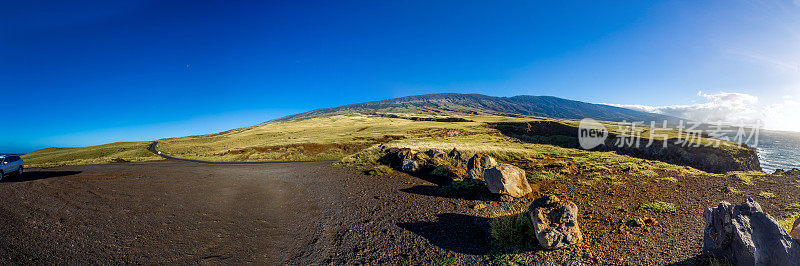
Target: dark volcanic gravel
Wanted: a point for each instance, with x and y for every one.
(312, 213)
(182, 212)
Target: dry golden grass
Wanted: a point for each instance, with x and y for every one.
(353, 129)
(334, 137)
(130, 151)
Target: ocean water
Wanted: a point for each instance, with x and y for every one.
(778, 150)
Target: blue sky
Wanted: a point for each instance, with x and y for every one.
(90, 72)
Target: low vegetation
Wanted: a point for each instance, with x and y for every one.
(379, 170)
(747, 177)
(463, 187)
(448, 261)
(732, 190)
(668, 179)
(513, 232)
(788, 222)
(659, 206)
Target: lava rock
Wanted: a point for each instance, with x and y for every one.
(456, 155)
(638, 222)
(555, 222)
(478, 164)
(396, 156)
(435, 153)
(405, 154)
(745, 235)
(119, 160)
(410, 165)
(795, 233)
(507, 179)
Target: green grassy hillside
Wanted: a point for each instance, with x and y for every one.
(318, 138)
(129, 151)
(334, 137)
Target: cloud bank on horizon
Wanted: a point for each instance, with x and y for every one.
(733, 108)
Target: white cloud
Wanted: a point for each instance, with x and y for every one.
(724, 106)
(734, 108)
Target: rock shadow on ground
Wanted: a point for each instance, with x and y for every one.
(455, 232)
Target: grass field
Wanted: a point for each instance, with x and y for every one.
(319, 138)
(129, 151)
(332, 137)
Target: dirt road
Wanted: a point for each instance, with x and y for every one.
(166, 212)
(312, 213)
(184, 212)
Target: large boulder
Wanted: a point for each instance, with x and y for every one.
(396, 156)
(478, 163)
(435, 153)
(555, 222)
(410, 165)
(456, 155)
(745, 235)
(507, 179)
(405, 154)
(795, 233)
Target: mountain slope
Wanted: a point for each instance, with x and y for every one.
(541, 106)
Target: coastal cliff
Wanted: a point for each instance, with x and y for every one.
(724, 158)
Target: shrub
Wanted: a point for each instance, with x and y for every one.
(745, 177)
(513, 232)
(370, 156)
(669, 179)
(379, 170)
(793, 207)
(766, 195)
(442, 172)
(448, 261)
(544, 175)
(659, 206)
(711, 261)
(467, 186)
(732, 190)
(508, 260)
(646, 173)
(787, 223)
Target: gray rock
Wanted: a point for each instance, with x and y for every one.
(478, 163)
(405, 154)
(410, 165)
(435, 153)
(507, 179)
(457, 155)
(795, 233)
(555, 222)
(745, 235)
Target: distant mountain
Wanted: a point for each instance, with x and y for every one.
(444, 103)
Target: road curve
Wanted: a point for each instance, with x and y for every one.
(153, 148)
